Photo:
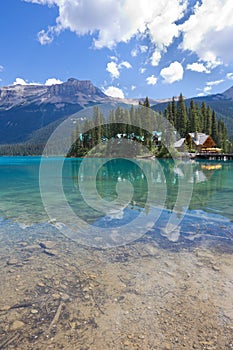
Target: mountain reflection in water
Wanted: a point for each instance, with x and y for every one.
(204, 192)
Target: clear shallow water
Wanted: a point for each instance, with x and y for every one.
(92, 294)
(196, 198)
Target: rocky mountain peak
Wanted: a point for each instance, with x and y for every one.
(228, 93)
(74, 81)
(74, 88)
(71, 91)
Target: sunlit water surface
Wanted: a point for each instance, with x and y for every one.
(198, 195)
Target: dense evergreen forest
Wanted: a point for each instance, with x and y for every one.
(198, 118)
(21, 149)
(143, 125)
(120, 127)
(139, 124)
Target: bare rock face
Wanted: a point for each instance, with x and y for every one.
(31, 112)
(71, 91)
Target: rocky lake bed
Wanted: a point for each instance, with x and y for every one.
(56, 294)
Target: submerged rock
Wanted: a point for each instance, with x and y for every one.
(16, 325)
(12, 262)
(47, 244)
(51, 252)
(34, 311)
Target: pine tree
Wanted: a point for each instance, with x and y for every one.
(112, 125)
(203, 117)
(181, 119)
(146, 102)
(97, 125)
(193, 118)
(170, 115)
(222, 135)
(174, 111)
(138, 121)
(214, 127)
(119, 115)
(87, 133)
(127, 121)
(208, 123)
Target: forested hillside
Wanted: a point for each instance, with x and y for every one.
(191, 117)
(221, 104)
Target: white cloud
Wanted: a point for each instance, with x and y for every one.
(133, 87)
(113, 58)
(53, 81)
(114, 91)
(134, 52)
(215, 82)
(114, 21)
(162, 27)
(143, 48)
(197, 67)
(139, 49)
(152, 80)
(209, 32)
(209, 85)
(41, 2)
(142, 70)
(46, 37)
(1, 68)
(114, 68)
(230, 76)
(20, 81)
(155, 58)
(50, 81)
(207, 89)
(172, 73)
(125, 64)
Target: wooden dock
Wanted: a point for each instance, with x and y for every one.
(214, 156)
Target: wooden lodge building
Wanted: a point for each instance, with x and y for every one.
(197, 142)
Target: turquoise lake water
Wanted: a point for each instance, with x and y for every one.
(120, 196)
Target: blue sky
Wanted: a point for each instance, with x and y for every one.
(127, 48)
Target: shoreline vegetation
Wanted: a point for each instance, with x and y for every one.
(136, 132)
(155, 132)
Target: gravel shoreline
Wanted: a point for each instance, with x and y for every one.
(58, 295)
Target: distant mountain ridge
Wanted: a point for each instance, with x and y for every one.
(72, 91)
(31, 112)
(25, 109)
(228, 94)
